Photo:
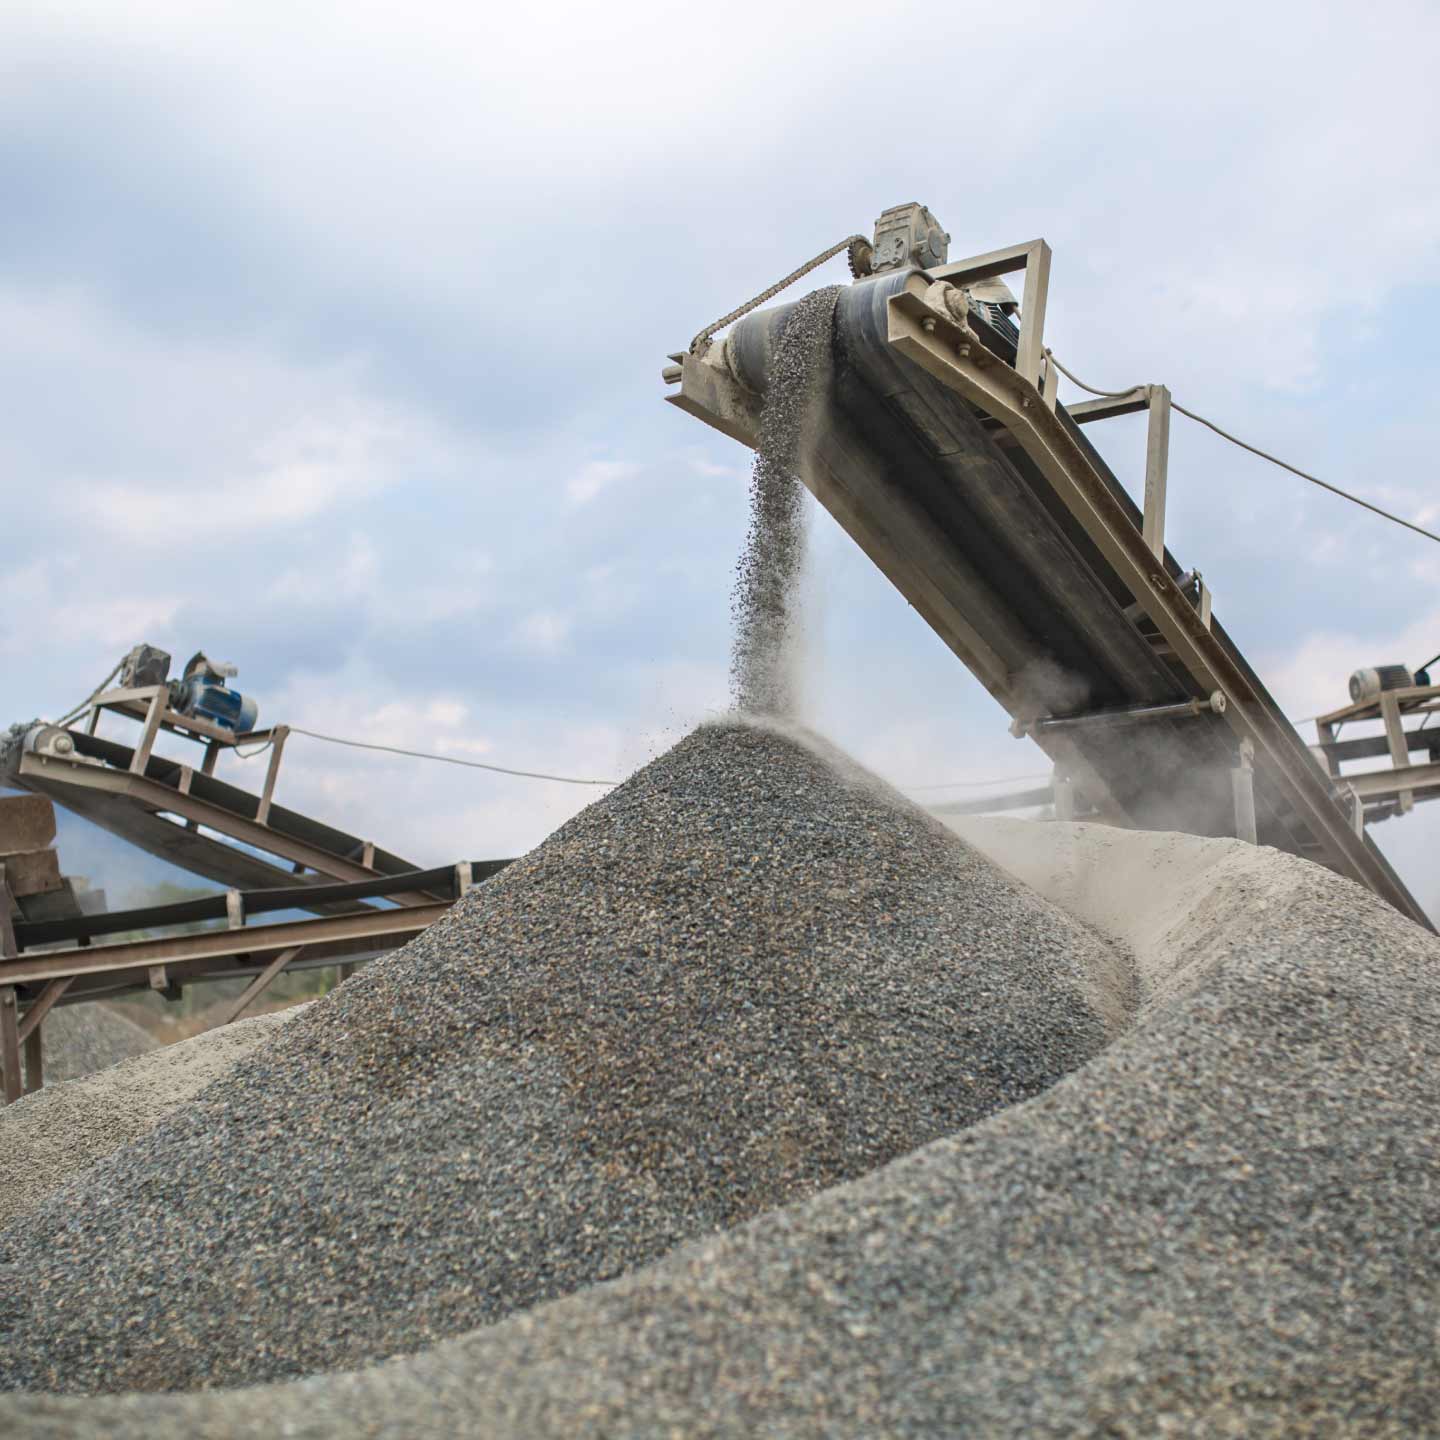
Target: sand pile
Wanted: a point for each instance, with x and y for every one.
(80, 1039)
(739, 979)
(64, 1128)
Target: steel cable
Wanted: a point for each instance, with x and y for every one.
(1245, 445)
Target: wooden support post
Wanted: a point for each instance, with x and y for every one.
(10, 1086)
(367, 854)
(1242, 779)
(1157, 468)
(159, 702)
(277, 747)
(346, 971)
(464, 878)
(259, 985)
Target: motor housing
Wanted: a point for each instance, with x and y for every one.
(1374, 680)
(202, 693)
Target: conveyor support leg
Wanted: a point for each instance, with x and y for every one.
(1243, 780)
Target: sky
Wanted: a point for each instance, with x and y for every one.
(330, 339)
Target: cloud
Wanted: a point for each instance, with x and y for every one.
(595, 476)
(305, 368)
(544, 631)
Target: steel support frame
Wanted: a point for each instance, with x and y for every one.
(934, 342)
(45, 966)
(258, 986)
(1376, 785)
(1404, 778)
(1033, 257)
(139, 703)
(154, 796)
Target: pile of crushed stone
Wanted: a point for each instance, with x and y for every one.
(64, 1128)
(1222, 1225)
(743, 977)
(81, 1039)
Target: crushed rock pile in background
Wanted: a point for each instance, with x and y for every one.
(80, 1039)
(741, 978)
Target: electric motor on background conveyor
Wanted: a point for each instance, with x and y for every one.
(201, 692)
(1372, 682)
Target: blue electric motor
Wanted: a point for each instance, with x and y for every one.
(203, 693)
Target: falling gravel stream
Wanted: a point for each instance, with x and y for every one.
(765, 601)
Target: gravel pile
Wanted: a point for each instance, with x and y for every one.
(80, 1039)
(63, 1129)
(741, 978)
(1224, 1225)
(764, 608)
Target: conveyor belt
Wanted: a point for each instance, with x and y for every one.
(1023, 552)
(95, 782)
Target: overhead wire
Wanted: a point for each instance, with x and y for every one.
(573, 779)
(448, 759)
(1253, 449)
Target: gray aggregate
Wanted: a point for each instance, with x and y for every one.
(743, 977)
(62, 1129)
(1223, 1225)
(81, 1039)
(765, 603)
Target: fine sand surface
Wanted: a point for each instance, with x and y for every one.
(64, 1128)
(1220, 1224)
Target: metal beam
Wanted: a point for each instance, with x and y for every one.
(1033, 258)
(1413, 700)
(272, 772)
(1242, 779)
(1157, 469)
(159, 702)
(218, 944)
(42, 1007)
(1399, 750)
(45, 770)
(257, 986)
(989, 266)
(1369, 747)
(11, 1087)
(1083, 412)
(1385, 784)
(33, 1045)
